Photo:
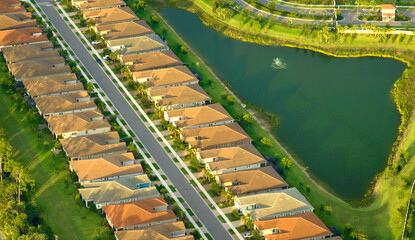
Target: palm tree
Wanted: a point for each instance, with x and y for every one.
(208, 174)
(228, 195)
(90, 23)
(114, 55)
(248, 221)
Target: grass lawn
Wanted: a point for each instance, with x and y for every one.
(54, 191)
(378, 220)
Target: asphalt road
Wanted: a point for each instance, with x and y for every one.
(191, 196)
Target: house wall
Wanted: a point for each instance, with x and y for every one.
(56, 93)
(234, 169)
(99, 206)
(209, 124)
(232, 144)
(147, 224)
(67, 112)
(83, 133)
(110, 178)
(100, 155)
(182, 105)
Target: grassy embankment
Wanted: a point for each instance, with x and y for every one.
(54, 191)
(379, 220)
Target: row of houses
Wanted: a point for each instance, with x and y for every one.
(218, 142)
(111, 178)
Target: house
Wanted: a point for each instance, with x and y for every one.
(65, 103)
(197, 117)
(388, 12)
(121, 190)
(14, 37)
(36, 51)
(122, 30)
(255, 181)
(78, 124)
(165, 77)
(306, 226)
(14, 21)
(134, 45)
(110, 15)
(228, 135)
(97, 4)
(39, 68)
(139, 214)
(179, 97)
(165, 231)
(104, 169)
(53, 85)
(231, 159)
(93, 146)
(151, 60)
(273, 204)
(10, 7)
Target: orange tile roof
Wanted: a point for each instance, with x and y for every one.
(151, 60)
(52, 85)
(21, 36)
(14, 21)
(110, 15)
(210, 137)
(137, 212)
(124, 29)
(180, 95)
(33, 51)
(110, 166)
(295, 227)
(252, 180)
(195, 116)
(75, 101)
(388, 6)
(170, 76)
(7, 8)
(156, 232)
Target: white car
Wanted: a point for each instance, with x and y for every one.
(95, 42)
(247, 235)
(106, 57)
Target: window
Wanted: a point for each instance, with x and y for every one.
(248, 166)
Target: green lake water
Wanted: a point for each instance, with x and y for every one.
(336, 114)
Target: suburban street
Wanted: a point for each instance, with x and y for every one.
(190, 195)
(350, 15)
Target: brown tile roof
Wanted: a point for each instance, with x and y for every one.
(139, 44)
(122, 189)
(210, 137)
(124, 29)
(76, 122)
(21, 36)
(52, 85)
(14, 21)
(86, 4)
(39, 68)
(388, 6)
(29, 52)
(252, 180)
(137, 212)
(156, 232)
(180, 94)
(109, 166)
(296, 227)
(93, 144)
(234, 157)
(276, 202)
(151, 60)
(6, 7)
(195, 116)
(110, 15)
(165, 76)
(65, 102)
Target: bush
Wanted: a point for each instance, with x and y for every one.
(78, 200)
(155, 19)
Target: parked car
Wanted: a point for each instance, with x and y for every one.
(95, 42)
(106, 57)
(98, 60)
(247, 235)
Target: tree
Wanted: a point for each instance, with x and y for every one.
(21, 177)
(5, 153)
(89, 87)
(102, 233)
(194, 163)
(90, 23)
(245, 13)
(231, 99)
(266, 141)
(247, 221)
(248, 118)
(155, 19)
(142, 5)
(272, 5)
(208, 174)
(114, 56)
(286, 162)
(164, 192)
(214, 186)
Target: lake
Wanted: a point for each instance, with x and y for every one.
(337, 115)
